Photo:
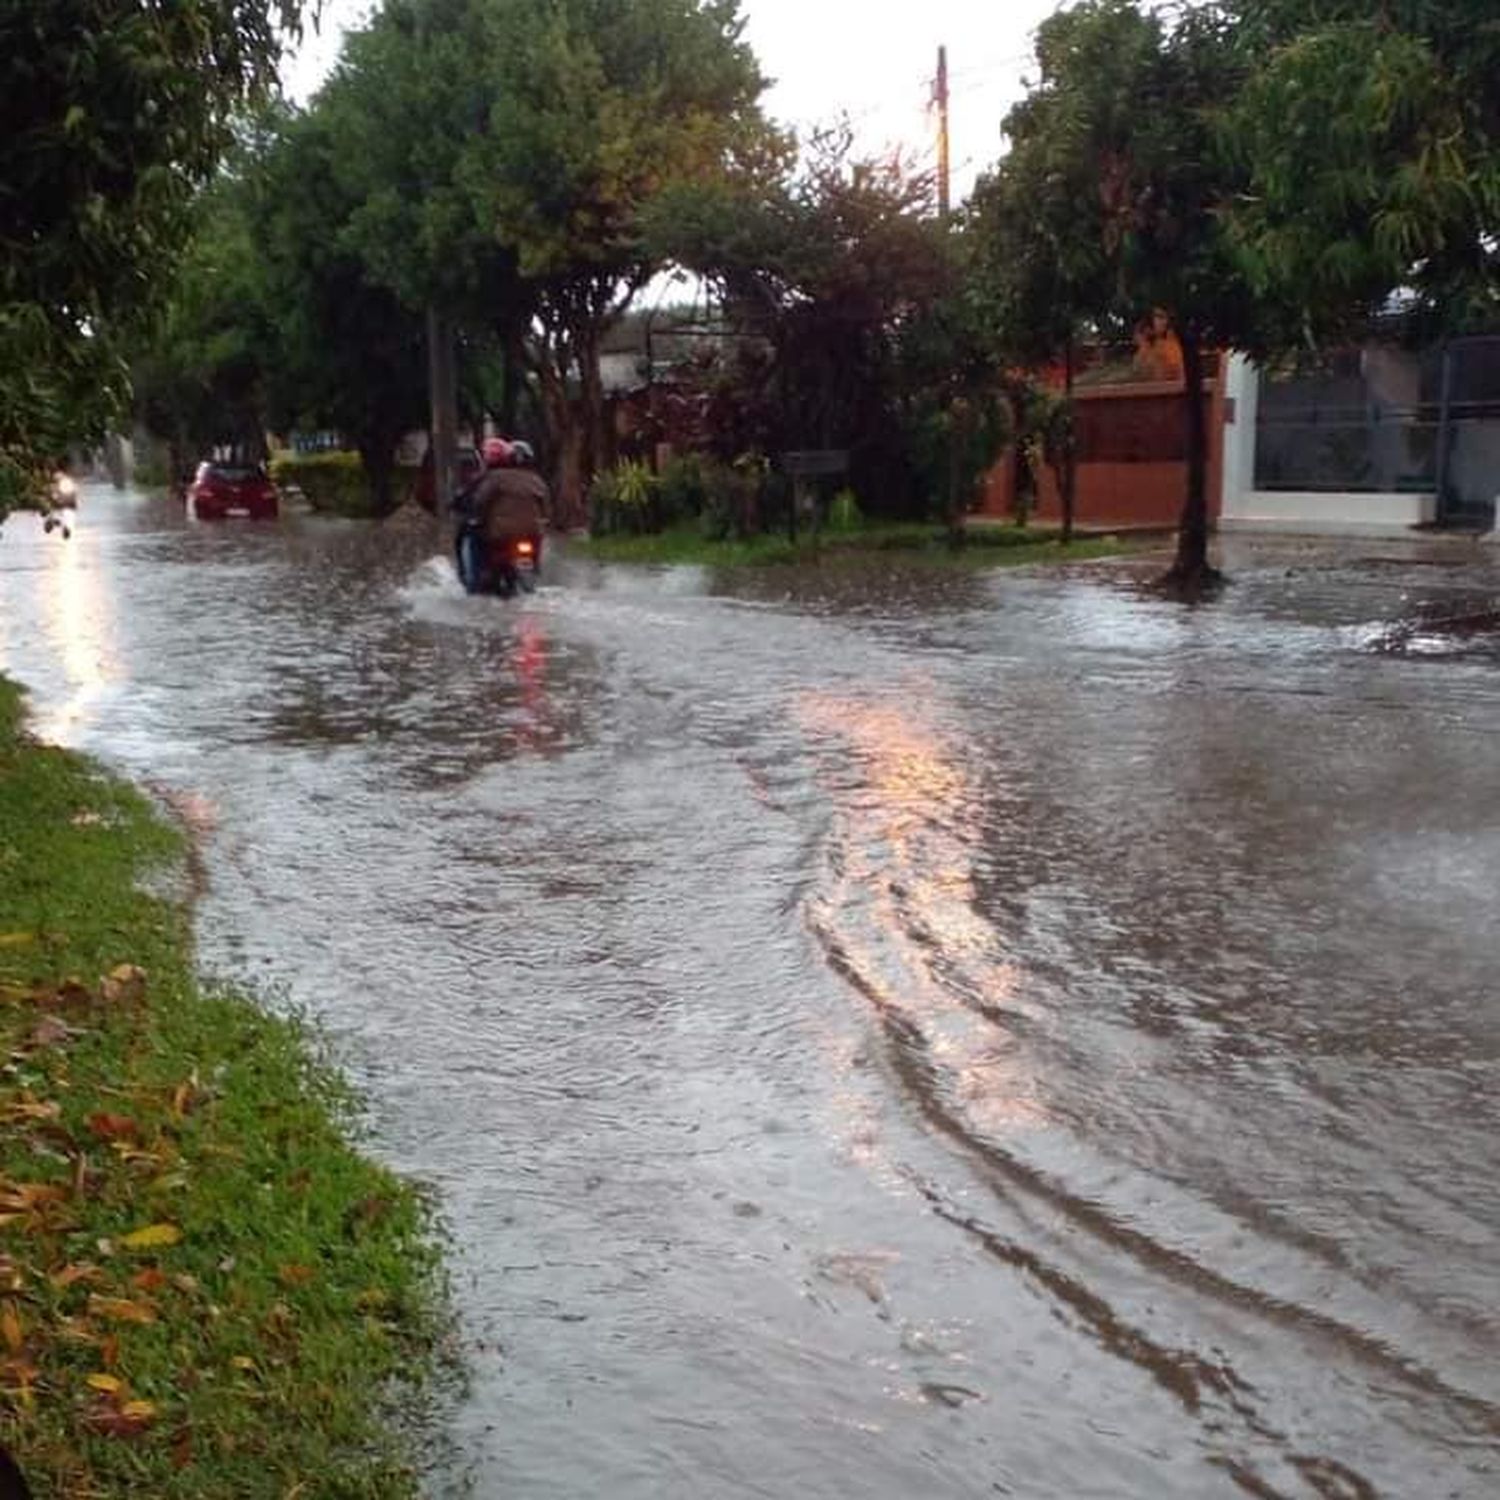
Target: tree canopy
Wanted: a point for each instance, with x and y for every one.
(1117, 159)
(1369, 137)
(112, 116)
(503, 155)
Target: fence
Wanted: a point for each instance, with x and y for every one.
(1132, 459)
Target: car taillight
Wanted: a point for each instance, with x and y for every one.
(525, 548)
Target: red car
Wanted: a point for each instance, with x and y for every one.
(220, 491)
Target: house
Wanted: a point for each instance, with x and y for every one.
(1373, 439)
(1369, 440)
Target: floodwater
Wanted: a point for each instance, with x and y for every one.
(878, 1034)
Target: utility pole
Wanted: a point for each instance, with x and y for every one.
(940, 98)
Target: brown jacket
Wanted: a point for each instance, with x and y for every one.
(511, 502)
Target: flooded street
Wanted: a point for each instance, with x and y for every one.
(879, 1034)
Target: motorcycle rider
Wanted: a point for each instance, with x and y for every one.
(469, 543)
(511, 501)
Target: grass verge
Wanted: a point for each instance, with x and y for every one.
(983, 547)
(205, 1289)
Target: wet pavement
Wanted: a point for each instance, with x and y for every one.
(874, 1033)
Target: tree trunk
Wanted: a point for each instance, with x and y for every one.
(377, 454)
(513, 364)
(442, 384)
(1070, 450)
(565, 439)
(595, 445)
(1191, 568)
(568, 509)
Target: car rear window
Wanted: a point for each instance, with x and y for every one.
(233, 473)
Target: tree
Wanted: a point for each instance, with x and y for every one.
(199, 375)
(504, 152)
(349, 353)
(598, 108)
(1035, 242)
(112, 114)
(947, 390)
(409, 99)
(850, 282)
(1125, 108)
(1370, 137)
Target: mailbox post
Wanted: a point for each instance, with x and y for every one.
(803, 464)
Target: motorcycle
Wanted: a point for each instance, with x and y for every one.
(506, 567)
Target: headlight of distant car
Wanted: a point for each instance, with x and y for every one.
(64, 490)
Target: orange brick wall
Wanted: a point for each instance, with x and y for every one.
(1132, 470)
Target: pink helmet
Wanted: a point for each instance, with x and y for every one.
(496, 453)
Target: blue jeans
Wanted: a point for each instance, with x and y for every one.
(470, 551)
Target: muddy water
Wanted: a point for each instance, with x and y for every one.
(877, 1034)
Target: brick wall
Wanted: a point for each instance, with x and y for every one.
(1132, 459)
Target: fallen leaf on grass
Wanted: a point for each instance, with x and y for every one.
(83, 1271)
(187, 1096)
(295, 1275)
(52, 1031)
(17, 939)
(122, 1423)
(10, 1327)
(121, 1309)
(29, 1109)
(243, 1362)
(110, 1385)
(182, 1449)
(123, 985)
(17, 1376)
(86, 817)
(153, 1237)
(113, 1127)
(149, 1280)
(76, 1331)
(134, 1155)
(28, 1197)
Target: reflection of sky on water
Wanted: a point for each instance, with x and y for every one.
(78, 617)
(902, 908)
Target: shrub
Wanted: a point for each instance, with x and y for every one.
(622, 501)
(331, 481)
(734, 505)
(152, 469)
(682, 489)
(843, 512)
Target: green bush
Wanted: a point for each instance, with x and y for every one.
(727, 501)
(332, 482)
(843, 512)
(682, 489)
(152, 470)
(623, 501)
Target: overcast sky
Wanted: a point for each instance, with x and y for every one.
(874, 61)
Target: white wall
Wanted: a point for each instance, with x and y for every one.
(1332, 513)
(1244, 508)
